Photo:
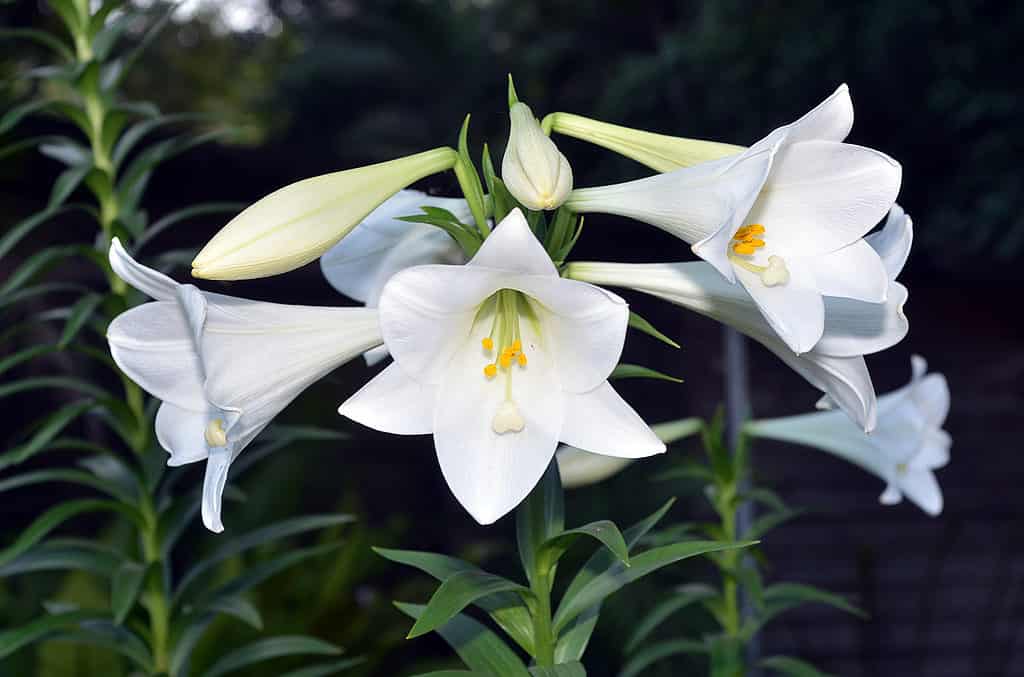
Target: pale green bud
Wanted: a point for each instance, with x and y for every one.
(533, 169)
(296, 224)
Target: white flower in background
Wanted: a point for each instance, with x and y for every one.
(533, 169)
(785, 217)
(904, 450)
(382, 245)
(296, 224)
(223, 367)
(500, 359)
(579, 468)
(852, 329)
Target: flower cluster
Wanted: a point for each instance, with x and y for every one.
(501, 349)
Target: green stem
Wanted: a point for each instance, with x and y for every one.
(543, 634)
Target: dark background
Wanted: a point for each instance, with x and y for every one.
(320, 86)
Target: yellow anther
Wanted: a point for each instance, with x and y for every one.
(491, 370)
(753, 242)
(517, 346)
(744, 248)
(506, 359)
(522, 359)
(488, 343)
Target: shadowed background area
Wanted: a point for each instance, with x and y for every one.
(317, 86)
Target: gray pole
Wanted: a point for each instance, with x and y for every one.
(737, 410)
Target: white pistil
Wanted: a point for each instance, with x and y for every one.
(508, 419)
(775, 273)
(214, 434)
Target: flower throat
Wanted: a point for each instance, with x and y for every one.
(505, 340)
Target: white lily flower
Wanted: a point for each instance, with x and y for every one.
(579, 468)
(533, 169)
(381, 245)
(786, 217)
(296, 224)
(851, 330)
(222, 366)
(904, 450)
(500, 359)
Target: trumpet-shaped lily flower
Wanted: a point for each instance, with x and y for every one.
(852, 329)
(223, 367)
(296, 224)
(500, 359)
(786, 217)
(533, 169)
(382, 245)
(904, 450)
(579, 468)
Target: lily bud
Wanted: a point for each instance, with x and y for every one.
(660, 152)
(296, 224)
(533, 169)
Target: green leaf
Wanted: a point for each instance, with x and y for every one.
(50, 427)
(456, 593)
(640, 324)
(80, 314)
(124, 589)
(326, 669)
(106, 635)
(140, 129)
(254, 539)
(65, 184)
(469, 242)
(685, 596)
(686, 470)
(641, 565)
(604, 531)
(12, 640)
(623, 370)
(766, 523)
(478, 647)
(574, 669)
(67, 151)
(469, 181)
(36, 263)
(767, 498)
(57, 515)
(16, 114)
(506, 608)
(660, 651)
(180, 215)
(65, 554)
(240, 608)
(40, 37)
(55, 382)
(785, 665)
(60, 475)
(268, 649)
(782, 596)
(540, 517)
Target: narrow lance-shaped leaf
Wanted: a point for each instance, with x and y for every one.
(456, 593)
(268, 649)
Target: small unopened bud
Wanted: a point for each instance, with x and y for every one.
(533, 169)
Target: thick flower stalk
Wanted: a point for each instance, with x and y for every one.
(382, 244)
(852, 329)
(296, 224)
(905, 449)
(533, 169)
(223, 367)
(785, 217)
(500, 359)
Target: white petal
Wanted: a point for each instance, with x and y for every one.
(491, 473)
(181, 433)
(375, 355)
(858, 328)
(795, 310)
(933, 451)
(601, 422)
(830, 431)
(932, 396)
(154, 346)
(823, 195)
(854, 272)
(579, 468)
(922, 488)
(830, 120)
(213, 487)
(893, 241)
(891, 495)
(694, 203)
(513, 247)
(393, 403)
(148, 281)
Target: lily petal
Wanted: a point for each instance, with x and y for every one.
(922, 488)
(795, 310)
(824, 195)
(857, 328)
(601, 422)
(180, 432)
(512, 246)
(893, 241)
(854, 272)
(213, 487)
(150, 282)
(393, 403)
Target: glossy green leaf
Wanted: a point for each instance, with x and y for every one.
(327, 669)
(56, 382)
(619, 575)
(124, 589)
(107, 635)
(469, 181)
(762, 525)
(268, 649)
(604, 531)
(134, 134)
(456, 593)
(478, 647)
(41, 628)
(506, 608)
(781, 596)
(793, 667)
(45, 432)
(16, 114)
(659, 651)
(623, 370)
(40, 37)
(238, 607)
(81, 312)
(66, 475)
(38, 262)
(65, 184)
(640, 324)
(574, 669)
(180, 215)
(65, 554)
(683, 597)
(540, 517)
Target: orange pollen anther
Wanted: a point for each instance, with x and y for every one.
(491, 370)
(521, 358)
(488, 343)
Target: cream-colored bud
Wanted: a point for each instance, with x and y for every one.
(533, 169)
(296, 224)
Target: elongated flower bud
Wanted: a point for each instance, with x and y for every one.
(296, 224)
(660, 152)
(536, 173)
